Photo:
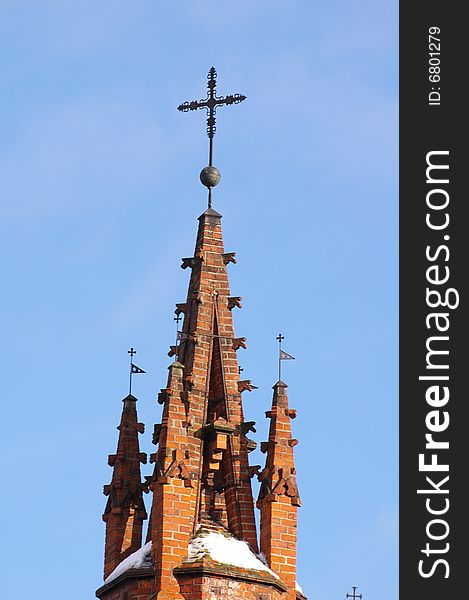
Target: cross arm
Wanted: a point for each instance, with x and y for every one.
(211, 103)
(194, 105)
(231, 99)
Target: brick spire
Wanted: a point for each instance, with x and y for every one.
(278, 497)
(125, 510)
(202, 474)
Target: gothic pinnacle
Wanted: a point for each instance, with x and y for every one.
(125, 510)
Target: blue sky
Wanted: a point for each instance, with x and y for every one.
(99, 197)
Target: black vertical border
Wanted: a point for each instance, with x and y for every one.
(425, 128)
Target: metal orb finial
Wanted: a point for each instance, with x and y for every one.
(210, 176)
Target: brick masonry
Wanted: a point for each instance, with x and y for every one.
(125, 510)
(201, 473)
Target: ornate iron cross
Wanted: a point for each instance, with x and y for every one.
(210, 104)
(354, 594)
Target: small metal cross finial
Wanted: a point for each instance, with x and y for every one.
(177, 318)
(133, 368)
(211, 102)
(132, 353)
(279, 339)
(282, 355)
(354, 594)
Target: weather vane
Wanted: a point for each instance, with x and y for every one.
(282, 355)
(133, 368)
(210, 175)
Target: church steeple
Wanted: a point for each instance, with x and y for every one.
(202, 537)
(125, 510)
(202, 469)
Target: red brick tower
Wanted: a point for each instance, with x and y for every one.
(202, 539)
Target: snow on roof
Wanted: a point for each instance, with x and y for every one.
(221, 547)
(227, 550)
(299, 588)
(140, 558)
